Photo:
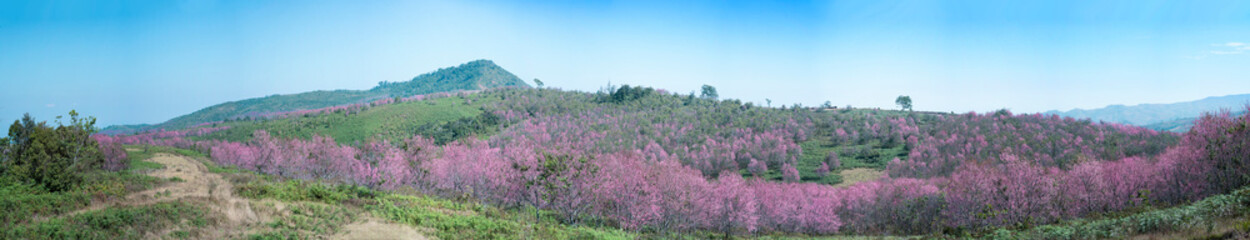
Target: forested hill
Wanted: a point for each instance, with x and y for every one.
(474, 75)
(1181, 113)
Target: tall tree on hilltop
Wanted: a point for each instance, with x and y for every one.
(903, 102)
(709, 92)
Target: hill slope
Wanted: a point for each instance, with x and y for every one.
(1172, 115)
(475, 75)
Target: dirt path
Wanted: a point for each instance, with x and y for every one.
(198, 186)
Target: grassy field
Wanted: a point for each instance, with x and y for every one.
(114, 223)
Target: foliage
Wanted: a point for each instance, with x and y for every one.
(52, 158)
(904, 102)
(708, 92)
(627, 93)
(111, 223)
(444, 132)
(19, 203)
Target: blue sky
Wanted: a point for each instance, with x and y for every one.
(148, 61)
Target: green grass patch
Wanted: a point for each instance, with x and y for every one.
(139, 159)
(112, 223)
(452, 220)
(306, 221)
(21, 203)
(295, 191)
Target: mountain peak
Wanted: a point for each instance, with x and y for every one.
(474, 75)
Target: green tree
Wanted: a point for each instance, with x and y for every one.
(903, 102)
(50, 157)
(709, 92)
(538, 83)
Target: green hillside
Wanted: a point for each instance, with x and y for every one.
(475, 75)
(391, 122)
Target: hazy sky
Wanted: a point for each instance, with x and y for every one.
(149, 61)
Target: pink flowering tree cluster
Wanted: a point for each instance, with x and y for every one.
(1210, 159)
(1020, 193)
(895, 206)
(624, 188)
(638, 193)
(951, 141)
(115, 157)
(175, 138)
(711, 150)
(1224, 141)
(376, 164)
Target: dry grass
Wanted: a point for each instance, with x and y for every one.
(856, 175)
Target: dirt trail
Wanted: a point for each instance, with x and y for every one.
(201, 187)
(196, 186)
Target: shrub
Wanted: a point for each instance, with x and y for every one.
(53, 158)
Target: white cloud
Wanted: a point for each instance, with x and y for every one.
(1230, 48)
(50, 105)
(1226, 52)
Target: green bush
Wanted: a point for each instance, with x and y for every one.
(111, 223)
(52, 158)
(20, 203)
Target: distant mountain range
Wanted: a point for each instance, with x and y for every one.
(475, 75)
(1170, 117)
